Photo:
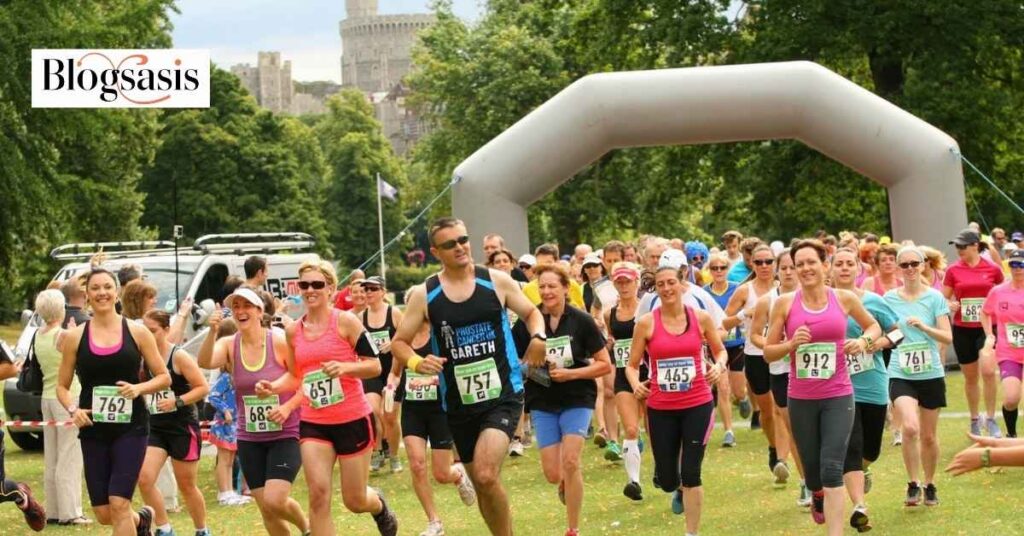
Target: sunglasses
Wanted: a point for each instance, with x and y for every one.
(698, 258)
(450, 244)
(718, 268)
(525, 266)
(910, 264)
(764, 262)
(1016, 265)
(368, 288)
(317, 285)
(962, 246)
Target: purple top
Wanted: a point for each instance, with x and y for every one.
(245, 380)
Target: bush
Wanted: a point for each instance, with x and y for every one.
(400, 278)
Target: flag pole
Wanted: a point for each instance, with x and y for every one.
(380, 227)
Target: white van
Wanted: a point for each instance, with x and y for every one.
(196, 272)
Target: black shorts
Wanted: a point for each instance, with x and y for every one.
(428, 421)
(967, 343)
(261, 461)
(466, 428)
(180, 444)
(780, 389)
(348, 439)
(736, 360)
(756, 370)
(622, 384)
(376, 385)
(930, 394)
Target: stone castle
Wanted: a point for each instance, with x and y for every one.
(270, 82)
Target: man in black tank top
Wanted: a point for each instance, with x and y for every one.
(481, 382)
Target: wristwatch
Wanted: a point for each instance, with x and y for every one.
(986, 457)
(179, 403)
(540, 336)
(71, 409)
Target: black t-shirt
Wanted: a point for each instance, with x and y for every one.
(519, 275)
(584, 339)
(77, 313)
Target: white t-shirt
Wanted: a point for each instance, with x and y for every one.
(695, 297)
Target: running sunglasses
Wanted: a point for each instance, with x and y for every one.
(317, 285)
(764, 262)
(910, 264)
(450, 244)
(718, 268)
(1016, 265)
(370, 288)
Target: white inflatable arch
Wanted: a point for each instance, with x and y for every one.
(794, 100)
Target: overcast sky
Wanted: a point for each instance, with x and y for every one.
(303, 31)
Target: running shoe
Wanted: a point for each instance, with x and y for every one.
(755, 420)
(781, 472)
(396, 465)
(654, 478)
(561, 492)
(677, 502)
(804, 500)
(913, 494)
(897, 438)
(601, 438)
(80, 520)
(745, 408)
(931, 495)
(975, 426)
(572, 532)
(434, 528)
(867, 480)
(204, 532)
(145, 527)
(465, 486)
(515, 448)
(35, 514)
(773, 458)
(729, 440)
(386, 521)
(993, 428)
(376, 461)
(859, 519)
(633, 491)
(159, 532)
(818, 507)
(613, 452)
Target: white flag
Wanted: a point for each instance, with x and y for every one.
(385, 190)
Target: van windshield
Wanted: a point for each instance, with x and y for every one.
(162, 276)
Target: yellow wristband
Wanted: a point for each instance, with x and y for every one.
(414, 362)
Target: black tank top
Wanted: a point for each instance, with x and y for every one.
(96, 370)
(389, 327)
(179, 386)
(482, 367)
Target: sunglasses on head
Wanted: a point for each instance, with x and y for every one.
(764, 262)
(317, 285)
(910, 264)
(1016, 265)
(718, 268)
(450, 244)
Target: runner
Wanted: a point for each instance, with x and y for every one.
(267, 428)
(343, 299)
(620, 322)
(870, 388)
(813, 321)
(107, 353)
(561, 391)
(734, 384)
(174, 430)
(358, 295)
(548, 254)
(731, 244)
(1004, 307)
(606, 297)
(741, 271)
(741, 310)
(886, 275)
(917, 386)
(381, 320)
(481, 385)
(10, 491)
(967, 282)
(679, 400)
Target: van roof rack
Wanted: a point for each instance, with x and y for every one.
(240, 243)
(113, 250)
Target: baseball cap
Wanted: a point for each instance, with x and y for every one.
(528, 260)
(1016, 255)
(966, 237)
(373, 281)
(591, 259)
(242, 293)
(672, 258)
(626, 271)
(1017, 236)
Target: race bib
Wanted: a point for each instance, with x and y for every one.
(322, 390)
(620, 351)
(1015, 335)
(858, 363)
(559, 351)
(257, 413)
(915, 357)
(478, 382)
(420, 387)
(674, 375)
(380, 338)
(816, 361)
(970, 309)
(732, 335)
(109, 406)
(153, 399)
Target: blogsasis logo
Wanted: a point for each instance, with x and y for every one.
(113, 78)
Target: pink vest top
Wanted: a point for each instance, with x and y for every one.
(808, 379)
(329, 346)
(677, 366)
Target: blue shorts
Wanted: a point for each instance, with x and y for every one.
(549, 427)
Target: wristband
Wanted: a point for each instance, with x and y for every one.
(986, 457)
(414, 362)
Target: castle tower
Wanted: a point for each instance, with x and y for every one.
(358, 9)
(377, 49)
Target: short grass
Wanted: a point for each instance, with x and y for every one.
(10, 333)
(740, 497)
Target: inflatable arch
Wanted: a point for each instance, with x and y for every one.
(794, 100)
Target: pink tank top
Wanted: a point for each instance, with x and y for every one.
(309, 354)
(245, 380)
(677, 366)
(818, 370)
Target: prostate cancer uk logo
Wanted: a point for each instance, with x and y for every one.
(116, 78)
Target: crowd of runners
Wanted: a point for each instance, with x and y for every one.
(823, 343)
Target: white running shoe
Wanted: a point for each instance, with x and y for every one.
(466, 490)
(434, 528)
(515, 448)
(897, 438)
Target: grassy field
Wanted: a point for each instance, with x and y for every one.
(740, 497)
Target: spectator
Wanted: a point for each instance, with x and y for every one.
(137, 297)
(128, 273)
(255, 271)
(416, 257)
(581, 253)
(343, 299)
(74, 302)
